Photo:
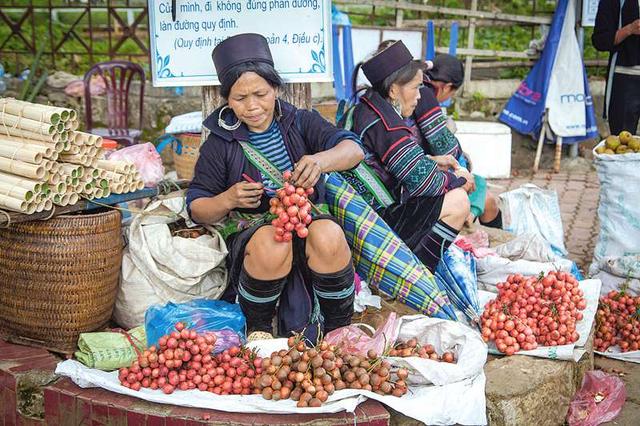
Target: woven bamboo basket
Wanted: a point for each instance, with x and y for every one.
(186, 161)
(59, 278)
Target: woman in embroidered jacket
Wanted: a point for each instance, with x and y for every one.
(441, 82)
(261, 270)
(431, 201)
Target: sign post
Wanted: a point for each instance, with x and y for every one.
(298, 32)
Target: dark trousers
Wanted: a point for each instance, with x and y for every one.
(624, 106)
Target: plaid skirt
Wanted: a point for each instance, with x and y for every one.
(413, 219)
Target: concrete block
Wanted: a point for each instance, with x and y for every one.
(524, 390)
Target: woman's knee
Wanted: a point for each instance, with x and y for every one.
(456, 203)
(266, 258)
(326, 240)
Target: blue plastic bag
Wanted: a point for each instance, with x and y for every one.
(200, 315)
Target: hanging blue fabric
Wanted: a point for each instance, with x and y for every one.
(342, 65)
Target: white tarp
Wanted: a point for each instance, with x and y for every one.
(461, 402)
(574, 351)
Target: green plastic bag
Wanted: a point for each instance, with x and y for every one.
(477, 197)
(111, 350)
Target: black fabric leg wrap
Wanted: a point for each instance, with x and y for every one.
(434, 244)
(335, 293)
(496, 222)
(258, 300)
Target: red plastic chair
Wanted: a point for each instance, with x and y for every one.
(117, 77)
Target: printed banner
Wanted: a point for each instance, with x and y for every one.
(298, 32)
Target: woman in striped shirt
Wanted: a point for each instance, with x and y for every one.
(430, 191)
(310, 280)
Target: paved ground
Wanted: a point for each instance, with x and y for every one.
(578, 193)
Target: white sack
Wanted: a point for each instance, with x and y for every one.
(527, 247)
(158, 268)
(467, 345)
(618, 209)
(492, 270)
(532, 210)
(574, 351)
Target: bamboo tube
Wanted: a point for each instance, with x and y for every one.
(60, 127)
(64, 114)
(78, 188)
(115, 166)
(74, 159)
(55, 167)
(53, 156)
(29, 110)
(73, 199)
(31, 208)
(101, 183)
(56, 146)
(57, 198)
(27, 156)
(60, 188)
(39, 206)
(97, 192)
(64, 137)
(140, 185)
(54, 178)
(82, 138)
(48, 204)
(74, 181)
(21, 168)
(64, 200)
(95, 173)
(75, 124)
(69, 169)
(87, 187)
(6, 143)
(96, 140)
(22, 182)
(8, 121)
(48, 164)
(116, 188)
(16, 192)
(92, 151)
(29, 135)
(11, 203)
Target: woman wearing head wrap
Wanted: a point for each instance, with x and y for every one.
(430, 205)
(441, 82)
(231, 186)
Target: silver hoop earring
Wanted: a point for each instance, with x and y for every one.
(279, 109)
(223, 124)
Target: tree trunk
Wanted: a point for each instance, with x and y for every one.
(298, 94)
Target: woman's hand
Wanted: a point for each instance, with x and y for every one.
(244, 195)
(470, 186)
(445, 162)
(307, 171)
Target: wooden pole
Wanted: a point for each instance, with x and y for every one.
(470, 44)
(558, 155)
(536, 161)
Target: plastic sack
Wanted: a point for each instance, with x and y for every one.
(530, 209)
(158, 267)
(599, 400)
(527, 247)
(494, 269)
(466, 344)
(352, 339)
(617, 211)
(112, 349)
(200, 315)
(147, 161)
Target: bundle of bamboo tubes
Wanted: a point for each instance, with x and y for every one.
(45, 160)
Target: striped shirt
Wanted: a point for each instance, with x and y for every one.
(271, 144)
